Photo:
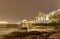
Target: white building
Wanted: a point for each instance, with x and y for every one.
(3, 22)
(42, 19)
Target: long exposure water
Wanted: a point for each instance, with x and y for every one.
(5, 30)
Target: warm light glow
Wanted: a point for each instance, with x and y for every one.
(58, 10)
(24, 21)
(31, 22)
(3, 22)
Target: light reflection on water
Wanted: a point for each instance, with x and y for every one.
(7, 30)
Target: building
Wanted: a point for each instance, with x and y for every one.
(3, 22)
(53, 16)
(42, 19)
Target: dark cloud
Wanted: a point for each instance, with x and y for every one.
(21, 9)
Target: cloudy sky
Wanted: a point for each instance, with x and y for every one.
(21, 9)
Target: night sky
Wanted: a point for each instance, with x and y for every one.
(21, 9)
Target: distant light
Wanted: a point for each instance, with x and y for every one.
(24, 21)
(58, 10)
(3, 22)
(18, 23)
(30, 22)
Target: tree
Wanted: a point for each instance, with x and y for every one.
(56, 17)
(41, 14)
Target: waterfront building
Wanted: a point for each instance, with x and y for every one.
(3, 22)
(43, 18)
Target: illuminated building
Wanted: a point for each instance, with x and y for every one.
(3, 22)
(24, 23)
(52, 14)
(42, 19)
